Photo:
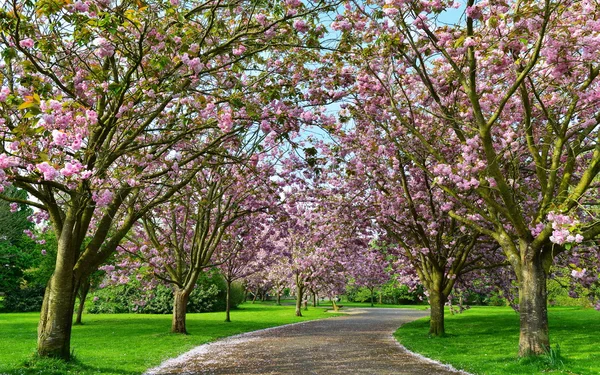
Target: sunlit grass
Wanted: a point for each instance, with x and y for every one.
(131, 343)
(484, 340)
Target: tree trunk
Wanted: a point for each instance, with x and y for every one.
(436, 321)
(299, 292)
(255, 295)
(533, 310)
(83, 292)
(381, 297)
(372, 296)
(179, 311)
(56, 318)
(228, 302)
(335, 306)
(314, 296)
(278, 298)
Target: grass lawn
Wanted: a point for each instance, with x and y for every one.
(484, 340)
(127, 344)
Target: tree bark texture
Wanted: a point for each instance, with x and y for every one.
(56, 318)
(436, 321)
(179, 311)
(533, 311)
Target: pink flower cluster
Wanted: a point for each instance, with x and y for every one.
(562, 226)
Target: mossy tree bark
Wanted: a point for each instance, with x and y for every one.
(533, 311)
(178, 323)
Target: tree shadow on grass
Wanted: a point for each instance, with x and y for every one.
(49, 366)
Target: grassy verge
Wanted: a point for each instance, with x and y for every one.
(127, 344)
(484, 340)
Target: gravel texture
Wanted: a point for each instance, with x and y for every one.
(360, 342)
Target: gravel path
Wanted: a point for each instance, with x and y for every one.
(358, 343)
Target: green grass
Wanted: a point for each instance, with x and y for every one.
(484, 340)
(127, 344)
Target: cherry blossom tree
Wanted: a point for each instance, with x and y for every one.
(105, 107)
(246, 251)
(503, 102)
(370, 271)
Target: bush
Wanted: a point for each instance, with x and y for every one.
(209, 295)
(26, 299)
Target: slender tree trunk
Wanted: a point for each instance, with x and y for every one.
(228, 302)
(299, 295)
(335, 306)
(533, 310)
(179, 311)
(372, 296)
(436, 321)
(255, 295)
(314, 297)
(278, 297)
(263, 296)
(381, 297)
(83, 292)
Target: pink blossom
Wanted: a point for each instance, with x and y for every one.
(48, 171)
(4, 92)
(14, 207)
(26, 43)
(8, 161)
(59, 138)
(239, 50)
(578, 274)
(71, 169)
(301, 26)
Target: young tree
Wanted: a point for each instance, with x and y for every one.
(370, 271)
(245, 252)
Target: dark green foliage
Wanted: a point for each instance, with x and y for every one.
(12, 224)
(209, 295)
(390, 293)
(24, 299)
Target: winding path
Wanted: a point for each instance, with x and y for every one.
(358, 343)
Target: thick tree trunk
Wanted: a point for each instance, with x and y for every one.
(228, 302)
(179, 311)
(83, 292)
(436, 321)
(533, 310)
(56, 318)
